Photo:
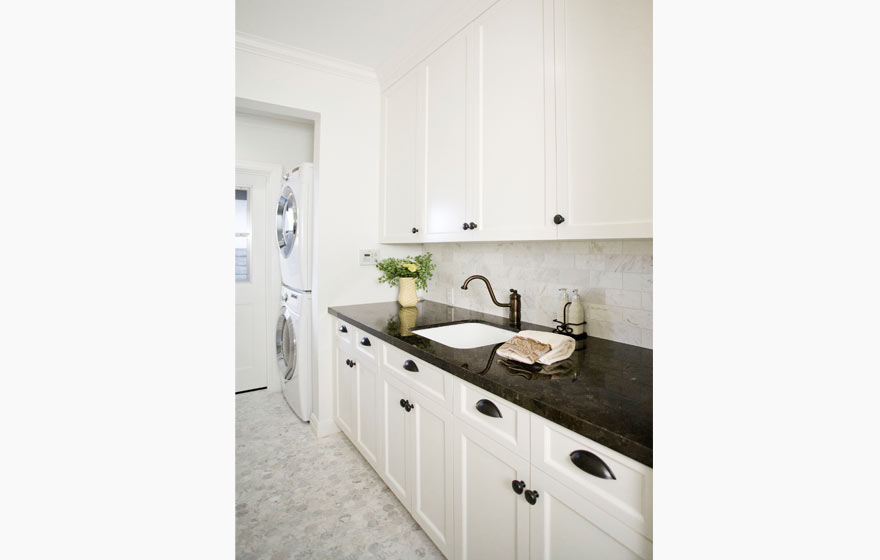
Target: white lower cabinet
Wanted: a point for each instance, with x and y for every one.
(472, 481)
(564, 525)
(368, 416)
(346, 388)
(491, 519)
(416, 435)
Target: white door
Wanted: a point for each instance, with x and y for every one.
(515, 191)
(400, 219)
(566, 526)
(368, 412)
(346, 411)
(251, 328)
(604, 109)
(395, 436)
(491, 519)
(446, 141)
(432, 497)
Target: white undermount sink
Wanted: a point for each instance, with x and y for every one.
(466, 335)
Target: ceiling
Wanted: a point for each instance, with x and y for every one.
(360, 31)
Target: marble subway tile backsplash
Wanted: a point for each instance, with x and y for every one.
(614, 278)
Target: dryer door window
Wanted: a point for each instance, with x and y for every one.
(280, 351)
(286, 222)
(290, 349)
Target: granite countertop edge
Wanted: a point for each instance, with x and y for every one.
(620, 443)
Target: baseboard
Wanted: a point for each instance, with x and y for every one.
(324, 428)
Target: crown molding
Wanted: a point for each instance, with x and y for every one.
(254, 44)
(443, 25)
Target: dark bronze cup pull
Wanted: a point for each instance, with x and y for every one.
(591, 464)
(518, 486)
(365, 342)
(343, 329)
(410, 365)
(488, 408)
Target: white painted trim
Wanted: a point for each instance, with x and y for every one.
(324, 428)
(272, 172)
(261, 46)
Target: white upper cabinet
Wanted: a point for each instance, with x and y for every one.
(399, 206)
(532, 122)
(445, 179)
(515, 191)
(604, 112)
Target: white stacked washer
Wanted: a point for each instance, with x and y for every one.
(293, 222)
(293, 345)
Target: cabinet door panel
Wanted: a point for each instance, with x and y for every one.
(432, 471)
(492, 521)
(445, 141)
(368, 391)
(514, 198)
(565, 526)
(604, 105)
(395, 439)
(400, 105)
(345, 395)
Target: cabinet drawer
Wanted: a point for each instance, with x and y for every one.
(627, 496)
(343, 330)
(367, 346)
(502, 420)
(431, 381)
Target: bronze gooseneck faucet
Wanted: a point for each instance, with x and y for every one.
(514, 305)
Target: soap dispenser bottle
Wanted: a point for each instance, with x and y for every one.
(576, 314)
(563, 315)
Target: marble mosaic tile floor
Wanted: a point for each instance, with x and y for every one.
(302, 497)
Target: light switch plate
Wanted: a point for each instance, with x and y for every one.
(368, 257)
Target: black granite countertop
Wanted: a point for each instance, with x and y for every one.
(603, 392)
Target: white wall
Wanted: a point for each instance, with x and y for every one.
(346, 184)
(273, 140)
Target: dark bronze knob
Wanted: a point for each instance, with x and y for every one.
(518, 486)
(350, 363)
(409, 406)
(415, 230)
(531, 496)
(465, 226)
(558, 219)
(473, 225)
(402, 403)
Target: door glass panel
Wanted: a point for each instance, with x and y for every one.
(291, 350)
(285, 222)
(242, 235)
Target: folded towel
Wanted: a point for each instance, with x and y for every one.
(545, 348)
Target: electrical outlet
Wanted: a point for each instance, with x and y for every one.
(368, 257)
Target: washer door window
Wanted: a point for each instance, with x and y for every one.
(285, 221)
(285, 346)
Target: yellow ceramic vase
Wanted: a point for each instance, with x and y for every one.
(407, 296)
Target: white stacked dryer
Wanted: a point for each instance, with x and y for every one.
(293, 335)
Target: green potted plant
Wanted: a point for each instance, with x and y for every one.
(408, 273)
